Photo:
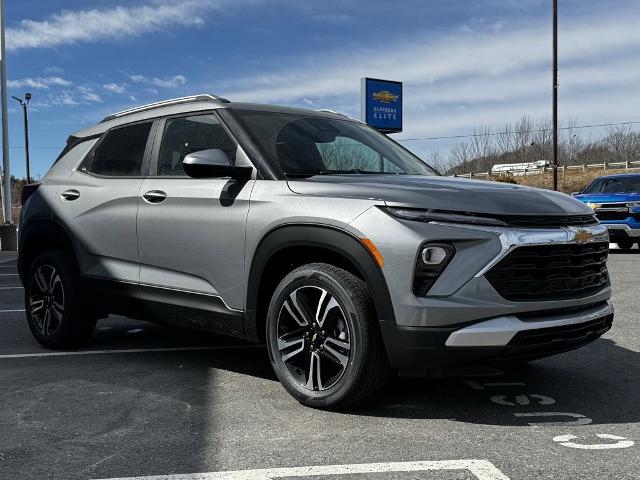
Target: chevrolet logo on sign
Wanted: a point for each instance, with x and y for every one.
(583, 236)
(385, 96)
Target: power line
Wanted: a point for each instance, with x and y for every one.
(471, 135)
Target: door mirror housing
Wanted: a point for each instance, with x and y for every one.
(213, 163)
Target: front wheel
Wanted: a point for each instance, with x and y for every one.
(53, 305)
(323, 339)
(625, 245)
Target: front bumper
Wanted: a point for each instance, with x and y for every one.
(493, 342)
(464, 320)
(622, 231)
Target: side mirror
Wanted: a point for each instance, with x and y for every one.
(213, 163)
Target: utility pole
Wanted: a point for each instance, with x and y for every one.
(555, 94)
(6, 170)
(25, 116)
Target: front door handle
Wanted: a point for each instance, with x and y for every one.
(70, 195)
(155, 196)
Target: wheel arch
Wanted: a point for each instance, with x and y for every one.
(295, 245)
(40, 235)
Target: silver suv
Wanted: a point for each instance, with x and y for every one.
(309, 231)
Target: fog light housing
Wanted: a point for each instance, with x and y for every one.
(433, 255)
(432, 259)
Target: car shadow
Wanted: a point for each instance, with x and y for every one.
(589, 381)
(598, 381)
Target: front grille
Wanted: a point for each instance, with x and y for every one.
(551, 272)
(604, 216)
(565, 334)
(612, 205)
(548, 221)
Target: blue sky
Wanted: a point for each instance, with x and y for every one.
(464, 63)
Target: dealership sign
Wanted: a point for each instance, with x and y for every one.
(381, 105)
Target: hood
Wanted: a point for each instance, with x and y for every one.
(443, 193)
(609, 197)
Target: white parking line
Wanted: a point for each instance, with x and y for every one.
(11, 311)
(10, 288)
(8, 274)
(482, 469)
(127, 350)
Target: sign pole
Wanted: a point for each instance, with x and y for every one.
(6, 170)
(555, 94)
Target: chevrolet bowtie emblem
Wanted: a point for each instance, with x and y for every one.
(385, 96)
(583, 236)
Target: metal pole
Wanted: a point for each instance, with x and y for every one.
(26, 139)
(6, 170)
(555, 94)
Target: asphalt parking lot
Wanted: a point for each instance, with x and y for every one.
(144, 400)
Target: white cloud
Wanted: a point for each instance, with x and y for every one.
(39, 82)
(69, 27)
(88, 95)
(91, 97)
(169, 82)
(65, 98)
(115, 87)
(54, 70)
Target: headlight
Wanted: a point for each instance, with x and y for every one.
(633, 204)
(443, 216)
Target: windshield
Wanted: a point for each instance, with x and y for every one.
(615, 185)
(305, 145)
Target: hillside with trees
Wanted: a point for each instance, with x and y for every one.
(530, 140)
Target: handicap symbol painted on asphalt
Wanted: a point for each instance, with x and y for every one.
(621, 442)
(523, 400)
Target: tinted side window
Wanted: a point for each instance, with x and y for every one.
(186, 135)
(122, 151)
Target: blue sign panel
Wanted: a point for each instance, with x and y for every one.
(382, 104)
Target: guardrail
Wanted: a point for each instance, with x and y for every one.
(584, 167)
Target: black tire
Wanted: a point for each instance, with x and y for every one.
(625, 245)
(349, 320)
(53, 305)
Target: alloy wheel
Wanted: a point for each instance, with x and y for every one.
(314, 339)
(46, 300)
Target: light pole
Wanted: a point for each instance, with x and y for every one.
(24, 104)
(6, 171)
(555, 94)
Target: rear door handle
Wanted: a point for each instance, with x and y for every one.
(155, 196)
(70, 195)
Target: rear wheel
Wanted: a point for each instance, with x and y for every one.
(323, 339)
(53, 306)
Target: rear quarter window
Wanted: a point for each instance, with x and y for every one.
(120, 153)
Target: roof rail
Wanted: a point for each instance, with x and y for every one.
(326, 110)
(204, 97)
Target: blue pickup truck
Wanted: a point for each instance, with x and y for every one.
(616, 201)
